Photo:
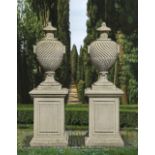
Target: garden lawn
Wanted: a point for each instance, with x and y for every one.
(24, 135)
(76, 151)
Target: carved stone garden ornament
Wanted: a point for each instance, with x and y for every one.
(49, 96)
(49, 52)
(103, 53)
(103, 95)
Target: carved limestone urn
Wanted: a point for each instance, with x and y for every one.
(103, 53)
(103, 95)
(49, 52)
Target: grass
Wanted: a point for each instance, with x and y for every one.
(76, 151)
(81, 107)
(24, 134)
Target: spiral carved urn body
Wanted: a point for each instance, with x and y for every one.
(103, 51)
(49, 50)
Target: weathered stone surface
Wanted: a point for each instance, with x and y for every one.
(73, 94)
(49, 118)
(103, 95)
(49, 50)
(104, 117)
(49, 96)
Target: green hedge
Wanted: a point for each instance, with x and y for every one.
(129, 107)
(25, 116)
(79, 117)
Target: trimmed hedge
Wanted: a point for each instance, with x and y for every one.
(129, 107)
(25, 116)
(80, 117)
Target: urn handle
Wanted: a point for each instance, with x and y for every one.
(118, 48)
(34, 49)
(64, 49)
(88, 49)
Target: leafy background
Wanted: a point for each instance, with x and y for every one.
(120, 15)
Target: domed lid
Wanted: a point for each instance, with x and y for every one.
(104, 32)
(49, 28)
(104, 28)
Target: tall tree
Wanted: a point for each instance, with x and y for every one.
(74, 62)
(64, 72)
(120, 15)
(46, 10)
(27, 34)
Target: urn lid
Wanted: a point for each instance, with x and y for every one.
(49, 31)
(49, 28)
(103, 28)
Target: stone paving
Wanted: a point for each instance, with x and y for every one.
(73, 95)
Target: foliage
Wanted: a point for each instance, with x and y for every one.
(128, 65)
(46, 10)
(31, 17)
(77, 151)
(74, 62)
(29, 73)
(63, 74)
(25, 116)
(81, 107)
(86, 72)
(119, 16)
(127, 119)
(80, 87)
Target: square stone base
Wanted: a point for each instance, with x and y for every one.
(104, 140)
(104, 118)
(49, 118)
(61, 141)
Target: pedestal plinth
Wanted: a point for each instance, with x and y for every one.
(103, 115)
(49, 117)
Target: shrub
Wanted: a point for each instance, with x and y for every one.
(129, 119)
(76, 117)
(81, 87)
(80, 117)
(25, 116)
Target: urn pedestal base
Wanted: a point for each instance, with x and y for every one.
(103, 116)
(58, 141)
(49, 117)
(104, 139)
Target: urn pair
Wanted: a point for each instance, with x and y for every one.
(49, 51)
(49, 96)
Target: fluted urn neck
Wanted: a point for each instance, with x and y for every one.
(49, 31)
(104, 31)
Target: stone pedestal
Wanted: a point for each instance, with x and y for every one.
(49, 116)
(49, 96)
(103, 115)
